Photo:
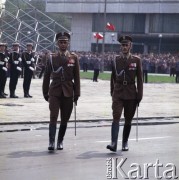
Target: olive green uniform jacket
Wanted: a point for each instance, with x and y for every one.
(67, 80)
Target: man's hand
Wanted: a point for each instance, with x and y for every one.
(46, 98)
(75, 99)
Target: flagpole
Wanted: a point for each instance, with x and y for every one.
(104, 30)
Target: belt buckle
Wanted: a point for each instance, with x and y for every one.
(124, 83)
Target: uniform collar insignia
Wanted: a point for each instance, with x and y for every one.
(128, 56)
(66, 52)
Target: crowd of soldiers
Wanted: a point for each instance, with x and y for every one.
(13, 64)
(152, 63)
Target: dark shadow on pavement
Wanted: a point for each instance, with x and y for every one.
(20, 154)
(96, 154)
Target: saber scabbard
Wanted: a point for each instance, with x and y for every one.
(75, 116)
(137, 125)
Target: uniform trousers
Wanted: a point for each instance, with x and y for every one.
(145, 76)
(177, 77)
(62, 104)
(27, 79)
(3, 78)
(14, 75)
(96, 74)
(129, 107)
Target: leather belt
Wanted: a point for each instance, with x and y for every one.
(61, 79)
(125, 83)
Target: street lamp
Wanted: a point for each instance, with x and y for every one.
(160, 40)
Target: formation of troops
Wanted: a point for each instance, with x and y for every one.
(14, 64)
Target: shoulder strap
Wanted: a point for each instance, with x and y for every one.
(58, 70)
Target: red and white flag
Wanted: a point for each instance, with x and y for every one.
(98, 35)
(110, 27)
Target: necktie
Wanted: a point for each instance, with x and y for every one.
(63, 57)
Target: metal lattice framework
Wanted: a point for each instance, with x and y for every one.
(28, 25)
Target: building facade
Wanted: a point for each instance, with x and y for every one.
(153, 24)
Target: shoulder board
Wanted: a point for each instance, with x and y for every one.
(135, 56)
(117, 57)
(53, 54)
(72, 53)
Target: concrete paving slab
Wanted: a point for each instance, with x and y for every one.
(160, 100)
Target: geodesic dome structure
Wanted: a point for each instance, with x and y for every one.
(24, 23)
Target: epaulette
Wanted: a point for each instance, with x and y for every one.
(73, 54)
(117, 57)
(135, 56)
(53, 54)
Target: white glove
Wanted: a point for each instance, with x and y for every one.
(32, 59)
(20, 59)
(16, 62)
(6, 59)
(28, 62)
(4, 68)
(19, 68)
(31, 68)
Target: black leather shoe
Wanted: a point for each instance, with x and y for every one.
(51, 146)
(26, 95)
(112, 147)
(13, 96)
(2, 96)
(5, 94)
(60, 146)
(30, 96)
(125, 146)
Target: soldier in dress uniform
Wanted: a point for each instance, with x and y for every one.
(63, 68)
(125, 94)
(15, 68)
(3, 69)
(96, 68)
(145, 67)
(28, 62)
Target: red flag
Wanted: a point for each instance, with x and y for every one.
(98, 35)
(110, 27)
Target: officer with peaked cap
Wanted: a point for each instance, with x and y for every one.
(15, 68)
(63, 68)
(3, 69)
(126, 95)
(28, 62)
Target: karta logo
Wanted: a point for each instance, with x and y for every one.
(115, 169)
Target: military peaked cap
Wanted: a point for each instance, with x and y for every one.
(124, 39)
(29, 44)
(15, 44)
(62, 36)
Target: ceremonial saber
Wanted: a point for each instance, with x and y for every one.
(75, 116)
(137, 126)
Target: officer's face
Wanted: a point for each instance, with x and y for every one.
(125, 47)
(29, 48)
(15, 47)
(2, 48)
(63, 45)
